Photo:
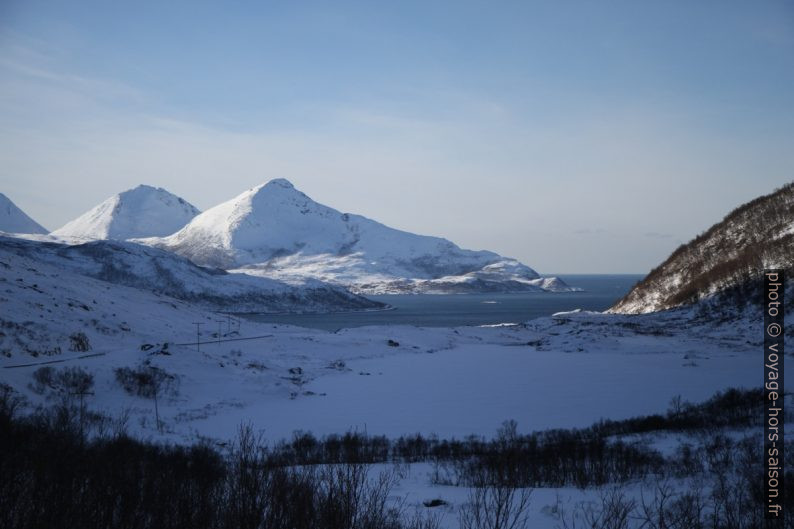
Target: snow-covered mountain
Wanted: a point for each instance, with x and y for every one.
(14, 220)
(144, 211)
(274, 230)
(116, 263)
(725, 262)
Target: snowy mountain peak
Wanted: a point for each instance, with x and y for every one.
(268, 220)
(144, 192)
(278, 182)
(276, 230)
(142, 189)
(14, 220)
(143, 211)
(272, 192)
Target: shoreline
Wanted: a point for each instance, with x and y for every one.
(362, 311)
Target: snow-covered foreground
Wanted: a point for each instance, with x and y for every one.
(565, 371)
(557, 372)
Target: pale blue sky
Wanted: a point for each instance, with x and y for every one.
(576, 136)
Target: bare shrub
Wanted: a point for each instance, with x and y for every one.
(68, 381)
(75, 380)
(145, 381)
(79, 342)
(495, 501)
(612, 511)
(669, 509)
(496, 507)
(43, 379)
(10, 402)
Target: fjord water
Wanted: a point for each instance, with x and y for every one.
(426, 310)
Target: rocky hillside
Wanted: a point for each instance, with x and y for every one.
(727, 259)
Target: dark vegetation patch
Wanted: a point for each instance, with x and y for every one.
(60, 471)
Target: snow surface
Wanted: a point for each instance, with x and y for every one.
(144, 211)
(568, 370)
(138, 306)
(14, 220)
(274, 230)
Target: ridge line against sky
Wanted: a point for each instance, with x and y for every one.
(575, 136)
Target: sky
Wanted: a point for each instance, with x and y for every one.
(576, 136)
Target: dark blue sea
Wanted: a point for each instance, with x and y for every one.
(600, 292)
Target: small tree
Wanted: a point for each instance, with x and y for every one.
(145, 381)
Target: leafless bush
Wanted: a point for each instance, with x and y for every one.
(612, 511)
(145, 381)
(496, 507)
(495, 502)
(76, 380)
(420, 520)
(669, 509)
(334, 496)
(69, 381)
(10, 402)
(79, 342)
(43, 379)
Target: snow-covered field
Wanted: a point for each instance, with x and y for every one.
(559, 372)
(110, 306)
(565, 371)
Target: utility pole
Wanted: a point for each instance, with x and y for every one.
(157, 411)
(82, 393)
(220, 326)
(198, 325)
(155, 388)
